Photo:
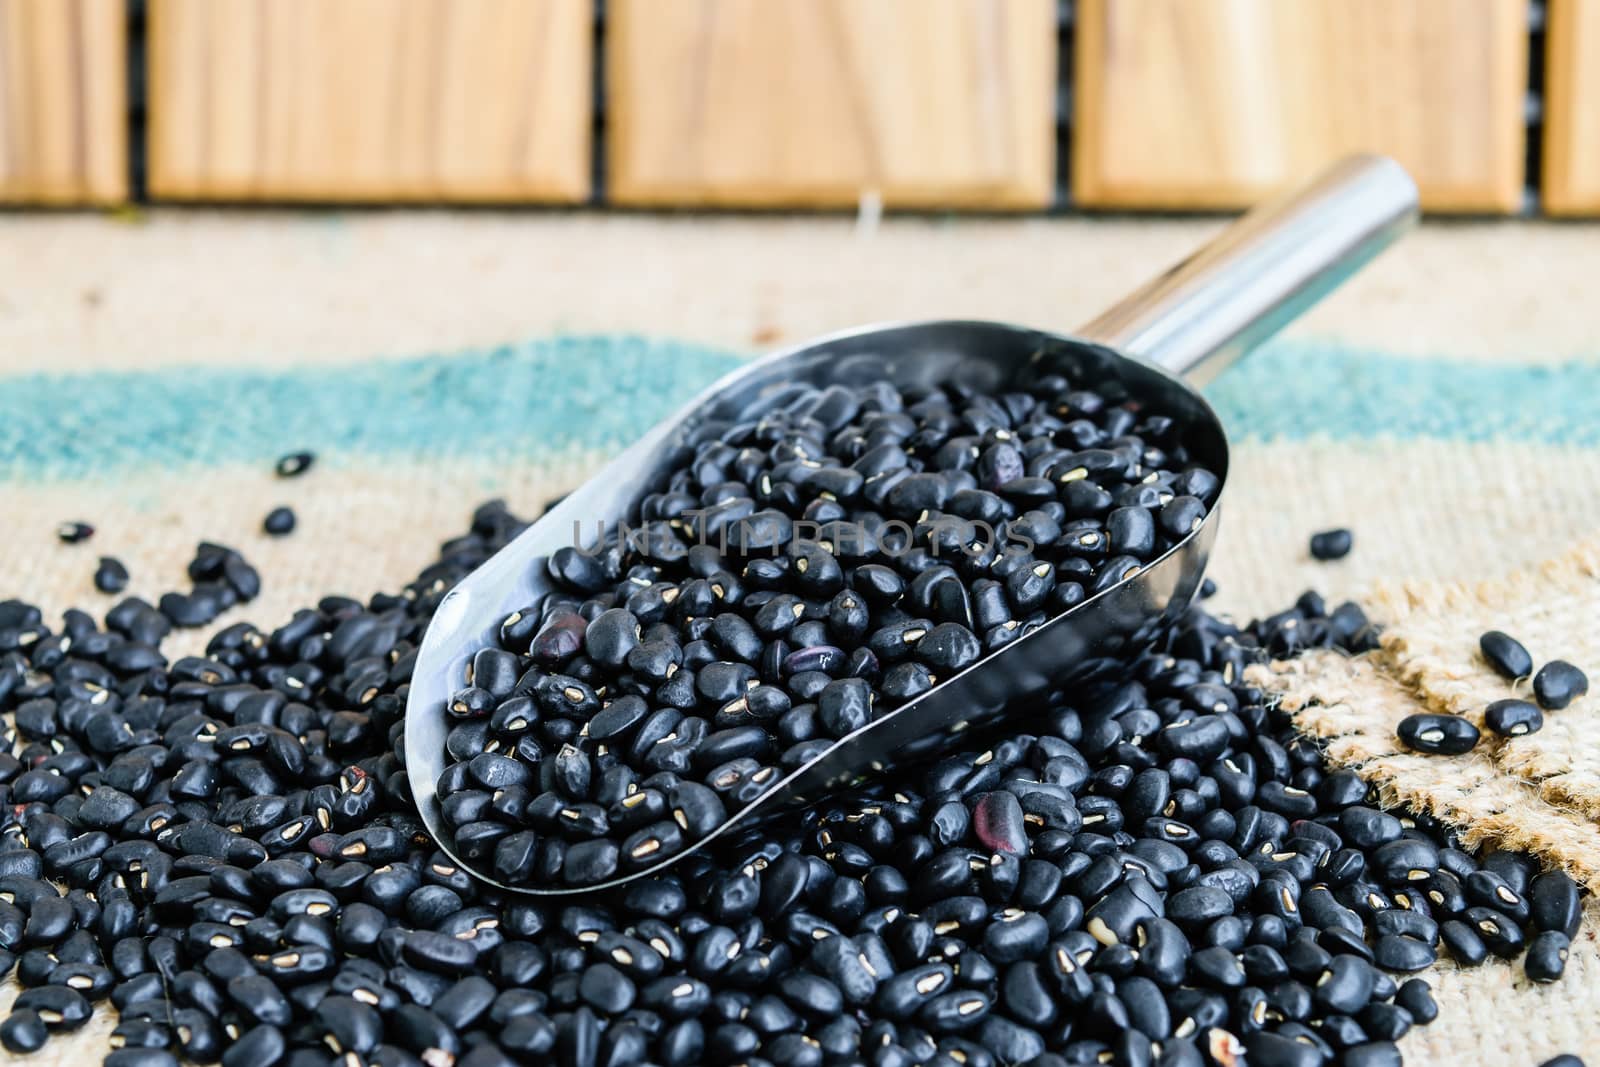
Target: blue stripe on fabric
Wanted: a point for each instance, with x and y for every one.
(536, 398)
(600, 392)
(1292, 390)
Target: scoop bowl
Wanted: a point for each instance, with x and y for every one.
(1260, 273)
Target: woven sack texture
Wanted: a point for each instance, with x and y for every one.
(1433, 460)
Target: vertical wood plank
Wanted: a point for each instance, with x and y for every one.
(1214, 103)
(371, 100)
(1570, 184)
(63, 102)
(926, 103)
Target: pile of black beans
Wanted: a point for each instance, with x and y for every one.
(1159, 872)
(810, 565)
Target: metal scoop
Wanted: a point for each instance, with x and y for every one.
(1256, 276)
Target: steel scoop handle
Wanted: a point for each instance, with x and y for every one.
(1263, 271)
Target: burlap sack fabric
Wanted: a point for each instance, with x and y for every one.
(1537, 794)
(1554, 609)
(1463, 520)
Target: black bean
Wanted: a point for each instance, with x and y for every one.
(1396, 952)
(844, 706)
(141, 1058)
(1385, 1022)
(1131, 531)
(1277, 1050)
(1465, 945)
(998, 823)
(611, 637)
(1412, 924)
(1448, 735)
(437, 952)
(1200, 739)
(1346, 985)
(1514, 869)
(949, 647)
(1499, 933)
(294, 464)
(1547, 956)
(1566, 1059)
(91, 980)
(1331, 544)
(465, 1002)
(347, 1025)
(59, 1007)
(1367, 828)
(110, 576)
(1415, 996)
(1513, 718)
(72, 533)
(49, 920)
(1488, 889)
(531, 1035)
(420, 1030)
(953, 1012)
(1409, 859)
(1008, 1041)
(141, 1033)
(904, 994)
(260, 999)
(1198, 905)
(1015, 935)
(1181, 516)
(1218, 967)
(23, 1031)
(280, 522)
(1558, 684)
(1372, 1054)
(1505, 654)
(1555, 903)
(589, 862)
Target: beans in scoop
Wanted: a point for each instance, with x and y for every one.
(223, 847)
(808, 566)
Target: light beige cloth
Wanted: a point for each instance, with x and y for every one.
(87, 292)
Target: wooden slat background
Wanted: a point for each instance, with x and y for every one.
(1571, 179)
(371, 100)
(926, 103)
(1213, 103)
(63, 102)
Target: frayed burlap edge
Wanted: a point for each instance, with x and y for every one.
(1433, 627)
(1354, 706)
(1430, 644)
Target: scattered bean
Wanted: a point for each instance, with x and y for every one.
(294, 464)
(1447, 735)
(1558, 684)
(1514, 718)
(280, 521)
(110, 576)
(1506, 655)
(1331, 544)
